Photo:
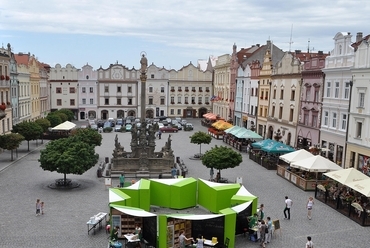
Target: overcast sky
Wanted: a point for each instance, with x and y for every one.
(171, 32)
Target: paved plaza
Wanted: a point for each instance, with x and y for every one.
(66, 212)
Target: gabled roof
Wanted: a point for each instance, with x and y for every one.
(358, 43)
(22, 58)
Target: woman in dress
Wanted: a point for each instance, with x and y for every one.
(310, 203)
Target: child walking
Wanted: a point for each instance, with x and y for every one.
(38, 207)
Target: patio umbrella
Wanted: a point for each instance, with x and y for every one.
(247, 134)
(234, 131)
(262, 143)
(277, 147)
(347, 175)
(362, 186)
(231, 128)
(316, 164)
(295, 156)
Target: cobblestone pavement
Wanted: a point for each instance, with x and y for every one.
(66, 212)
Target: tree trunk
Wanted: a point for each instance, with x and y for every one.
(65, 179)
(11, 155)
(200, 149)
(28, 142)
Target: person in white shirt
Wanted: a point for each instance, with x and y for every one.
(288, 205)
(310, 203)
(309, 243)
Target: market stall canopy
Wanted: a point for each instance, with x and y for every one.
(210, 116)
(362, 186)
(231, 129)
(65, 126)
(316, 164)
(236, 130)
(295, 156)
(247, 134)
(277, 147)
(347, 175)
(222, 125)
(133, 211)
(262, 143)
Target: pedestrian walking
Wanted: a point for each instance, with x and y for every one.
(38, 207)
(174, 172)
(262, 230)
(159, 134)
(121, 180)
(269, 227)
(288, 205)
(261, 213)
(211, 173)
(309, 205)
(309, 243)
(42, 207)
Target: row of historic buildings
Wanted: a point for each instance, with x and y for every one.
(303, 98)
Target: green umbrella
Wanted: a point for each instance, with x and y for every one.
(262, 143)
(278, 147)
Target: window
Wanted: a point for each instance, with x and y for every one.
(314, 120)
(72, 90)
(151, 75)
(106, 101)
(336, 91)
(193, 100)
(291, 115)
(72, 102)
(334, 120)
(186, 99)
(206, 99)
(150, 89)
(59, 102)
(91, 101)
(316, 95)
(344, 121)
(172, 88)
(326, 118)
(200, 99)
(193, 89)
(281, 112)
(346, 91)
(172, 99)
(328, 85)
(119, 101)
(150, 100)
(359, 130)
(305, 119)
(281, 94)
(262, 93)
(106, 89)
(162, 89)
(361, 100)
(186, 89)
(83, 100)
(292, 96)
(252, 91)
(129, 89)
(200, 89)
(179, 111)
(179, 88)
(265, 114)
(58, 90)
(91, 90)
(275, 94)
(118, 88)
(129, 101)
(172, 111)
(260, 114)
(207, 89)
(308, 93)
(162, 100)
(273, 111)
(83, 89)
(179, 99)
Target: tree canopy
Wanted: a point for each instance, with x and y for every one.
(221, 157)
(29, 130)
(43, 123)
(10, 142)
(54, 119)
(70, 115)
(200, 138)
(68, 156)
(87, 135)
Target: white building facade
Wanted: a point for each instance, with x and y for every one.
(88, 93)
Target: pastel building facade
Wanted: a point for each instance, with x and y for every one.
(336, 95)
(88, 92)
(358, 142)
(221, 84)
(5, 94)
(24, 101)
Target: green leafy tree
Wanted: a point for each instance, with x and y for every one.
(29, 130)
(221, 157)
(200, 138)
(68, 156)
(44, 124)
(10, 142)
(87, 135)
(54, 119)
(70, 115)
(62, 116)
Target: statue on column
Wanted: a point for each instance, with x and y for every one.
(144, 63)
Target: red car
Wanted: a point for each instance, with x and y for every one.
(169, 129)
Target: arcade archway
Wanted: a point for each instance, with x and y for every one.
(131, 113)
(201, 112)
(149, 113)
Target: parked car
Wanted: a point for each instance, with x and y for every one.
(100, 123)
(117, 128)
(128, 127)
(107, 124)
(94, 127)
(119, 122)
(188, 127)
(165, 123)
(169, 129)
(178, 126)
(128, 121)
(183, 122)
(178, 119)
(160, 125)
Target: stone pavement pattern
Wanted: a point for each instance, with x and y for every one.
(66, 212)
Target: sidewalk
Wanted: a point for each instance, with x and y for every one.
(20, 153)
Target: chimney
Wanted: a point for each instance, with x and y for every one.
(258, 45)
(358, 37)
(297, 51)
(320, 52)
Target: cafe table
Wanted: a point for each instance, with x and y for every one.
(131, 239)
